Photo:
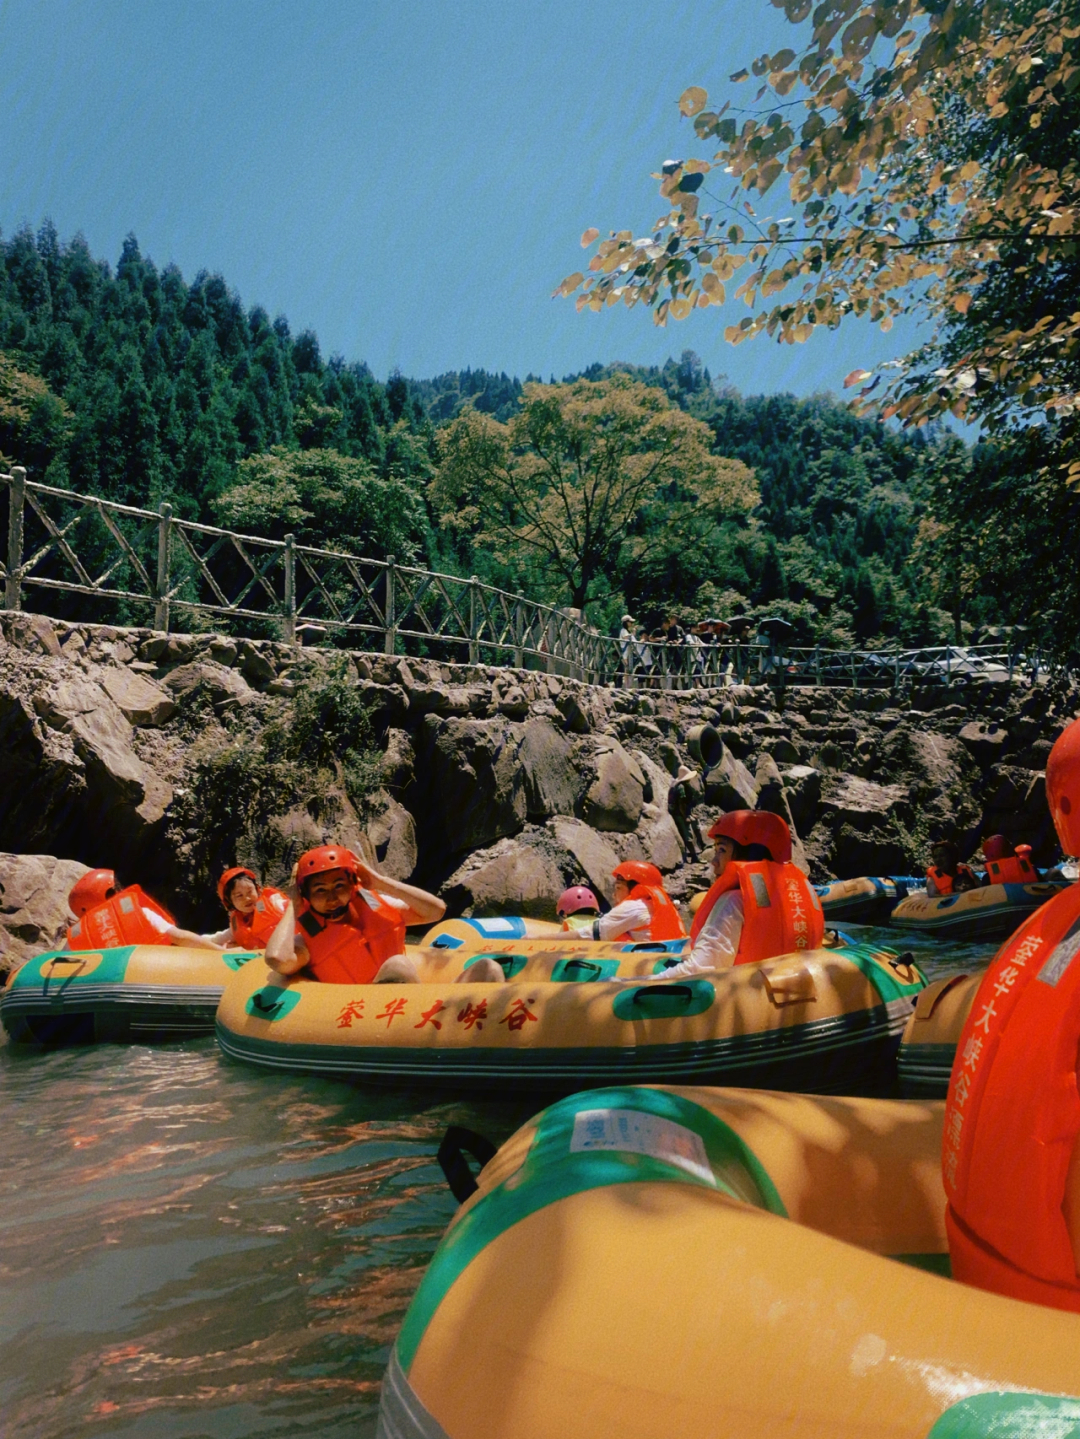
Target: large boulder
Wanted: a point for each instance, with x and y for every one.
(773, 799)
(552, 783)
(594, 856)
(656, 829)
(802, 787)
(398, 764)
(523, 875)
(616, 795)
(475, 784)
(34, 914)
(937, 771)
(218, 681)
(730, 784)
(69, 778)
(985, 742)
(392, 833)
(1014, 804)
(138, 699)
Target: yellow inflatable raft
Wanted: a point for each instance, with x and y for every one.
(723, 1265)
(928, 1048)
(824, 1020)
(867, 900)
(992, 911)
(135, 992)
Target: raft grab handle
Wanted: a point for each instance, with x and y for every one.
(456, 1143)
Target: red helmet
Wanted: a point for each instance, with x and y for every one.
(324, 858)
(997, 847)
(638, 871)
(575, 899)
(756, 826)
(227, 879)
(95, 887)
(1063, 787)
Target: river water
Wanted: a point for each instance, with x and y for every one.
(190, 1249)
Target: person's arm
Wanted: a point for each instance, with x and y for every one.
(190, 939)
(286, 952)
(420, 907)
(931, 888)
(717, 946)
(630, 915)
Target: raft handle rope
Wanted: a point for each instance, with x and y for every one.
(456, 1143)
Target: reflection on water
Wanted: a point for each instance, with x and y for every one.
(191, 1248)
(935, 957)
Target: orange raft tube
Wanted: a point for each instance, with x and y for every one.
(715, 1263)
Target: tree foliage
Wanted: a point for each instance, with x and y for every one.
(930, 156)
(584, 476)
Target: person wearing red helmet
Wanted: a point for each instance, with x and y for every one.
(946, 875)
(1011, 1132)
(350, 926)
(760, 905)
(1006, 864)
(642, 910)
(254, 911)
(108, 916)
(578, 899)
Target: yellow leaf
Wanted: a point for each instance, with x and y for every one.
(970, 170)
(961, 304)
(693, 100)
(681, 308)
(570, 284)
(589, 236)
(856, 378)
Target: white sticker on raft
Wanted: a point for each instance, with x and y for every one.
(635, 1133)
(496, 926)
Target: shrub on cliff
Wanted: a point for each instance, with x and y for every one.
(315, 760)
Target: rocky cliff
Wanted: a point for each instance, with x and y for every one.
(497, 787)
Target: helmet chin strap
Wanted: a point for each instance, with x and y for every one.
(341, 910)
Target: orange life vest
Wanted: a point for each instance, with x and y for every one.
(664, 921)
(119, 920)
(944, 883)
(781, 912)
(350, 950)
(1012, 1118)
(1014, 869)
(251, 931)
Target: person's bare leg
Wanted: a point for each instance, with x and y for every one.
(484, 971)
(398, 969)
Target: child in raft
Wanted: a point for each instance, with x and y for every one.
(642, 910)
(350, 925)
(254, 911)
(946, 875)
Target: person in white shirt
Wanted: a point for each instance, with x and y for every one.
(718, 942)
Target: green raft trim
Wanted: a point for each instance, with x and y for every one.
(111, 969)
(1007, 1414)
(551, 1172)
(874, 963)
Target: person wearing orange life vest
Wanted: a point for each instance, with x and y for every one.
(254, 911)
(107, 916)
(1011, 1131)
(642, 910)
(1006, 865)
(946, 875)
(350, 928)
(760, 905)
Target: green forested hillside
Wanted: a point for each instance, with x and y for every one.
(133, 383)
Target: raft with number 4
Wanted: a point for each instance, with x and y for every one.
(992, 911)
(643, 1262)
(132, 993)
(822, 1020)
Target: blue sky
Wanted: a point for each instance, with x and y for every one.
(407, 179)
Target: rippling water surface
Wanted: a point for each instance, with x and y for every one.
(188, 1248)
(194, 1250)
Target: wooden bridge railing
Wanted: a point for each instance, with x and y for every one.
(147, 562)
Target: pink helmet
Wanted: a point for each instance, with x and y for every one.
(575, 899)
